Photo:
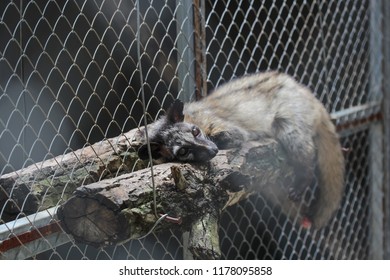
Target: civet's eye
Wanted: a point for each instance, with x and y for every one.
(182, 152)
(195, 131)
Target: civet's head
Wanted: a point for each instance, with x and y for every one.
(172, 139)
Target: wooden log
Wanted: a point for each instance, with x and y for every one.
(45, 184)
(111, 203)
(115, 210)
(204, 239)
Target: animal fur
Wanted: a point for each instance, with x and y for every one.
(261, 105)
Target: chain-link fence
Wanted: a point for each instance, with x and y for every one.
(73, 73)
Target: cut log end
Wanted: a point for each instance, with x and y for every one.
(116, 210)
(89, 221)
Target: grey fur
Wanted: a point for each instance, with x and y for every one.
(262, 105)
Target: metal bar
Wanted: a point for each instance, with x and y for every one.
(26, 237)
(374, 106)
(376, 169)
(357, 118)
(200, 49)
(185, 41)
(386, 123)
(376, 192)
(186, 66)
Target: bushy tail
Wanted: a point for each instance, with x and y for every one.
(331, 168)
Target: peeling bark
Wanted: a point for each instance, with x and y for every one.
(105, 201)
(45, 184)
(119, 209)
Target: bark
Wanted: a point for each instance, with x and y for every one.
(45, 184)
(115, 210)
(106, 201)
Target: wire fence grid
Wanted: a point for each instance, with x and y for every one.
(71, 75)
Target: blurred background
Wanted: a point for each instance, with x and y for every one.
(72, 74)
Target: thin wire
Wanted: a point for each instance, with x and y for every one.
(154, 226)
(144, 109)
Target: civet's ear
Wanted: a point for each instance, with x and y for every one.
(155, 148)
(175, 112)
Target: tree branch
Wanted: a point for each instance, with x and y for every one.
(44, 184)
(115, 210)
(107, 202)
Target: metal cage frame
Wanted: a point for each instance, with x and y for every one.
(71, 76)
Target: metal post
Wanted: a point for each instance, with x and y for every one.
(386, 123)
(27, 237)
(200, 48)
(185, 43)
(185, 68)
(375, 136)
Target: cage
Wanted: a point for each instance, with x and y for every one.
(74, 73)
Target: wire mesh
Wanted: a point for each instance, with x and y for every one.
(70, 77)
